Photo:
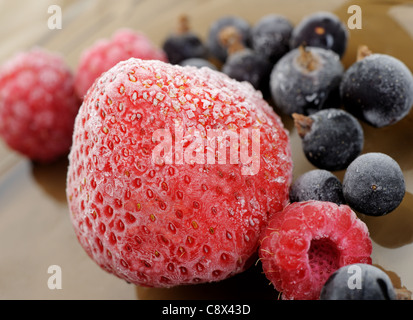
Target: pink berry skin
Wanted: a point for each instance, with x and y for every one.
(165, 224)
(105, 53)
(38, 105)
(306, 242)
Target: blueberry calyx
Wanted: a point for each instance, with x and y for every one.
(307, 60)
(302, 123)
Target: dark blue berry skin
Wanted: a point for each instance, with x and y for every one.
(358, 282)
(319, 185)
(378, 89)
(331, 138)
(248, 65)
(198, 62)
(179, 47)
(298, 87)
(270, 36)
(374, 184)
(213, 42)
(321, 29)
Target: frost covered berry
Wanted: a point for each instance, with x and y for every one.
(270, 36)
(306, 80)
(38, 105)
(367, 282)
(308, 241)
(321, 29)
(105, 53)
(374, 184)
(184, 44)
(214, 45)
(331, 138)
(377, 89)
(160, 219)
(245, 64)
(317, 184)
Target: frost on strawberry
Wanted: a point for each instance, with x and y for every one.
(304, 244)
(157, 195)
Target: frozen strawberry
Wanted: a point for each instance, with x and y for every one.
(105, 53)
(38, 105)
(308, 241)
(152, 198)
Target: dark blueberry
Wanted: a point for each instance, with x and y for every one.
(306, 80)
(247, 65)
(378, 89)
(321, 29)
(331, 138)
(213, 42)
(244, 64)
(270, 36)
(373, 184)
(358, 281)
(198, 62)
(184, 44)
(319, 185)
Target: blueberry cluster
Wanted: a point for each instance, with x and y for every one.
(299, 70)
(233, 46)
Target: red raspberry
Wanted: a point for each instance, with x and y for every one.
(305, 243)
(159, 223)
(105, 53)
(38, 105)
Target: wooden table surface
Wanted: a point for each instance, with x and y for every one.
(35, 230)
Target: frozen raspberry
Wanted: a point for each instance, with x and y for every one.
(38, 105)
(105, 53)
(151, 199)
(305, 243)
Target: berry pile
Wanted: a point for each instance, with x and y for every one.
(152, 201)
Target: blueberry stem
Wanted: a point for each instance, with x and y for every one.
(362, 52)
(183, 24)
(307, 60)
(302, 123)
(403, 294)
(231, 39)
